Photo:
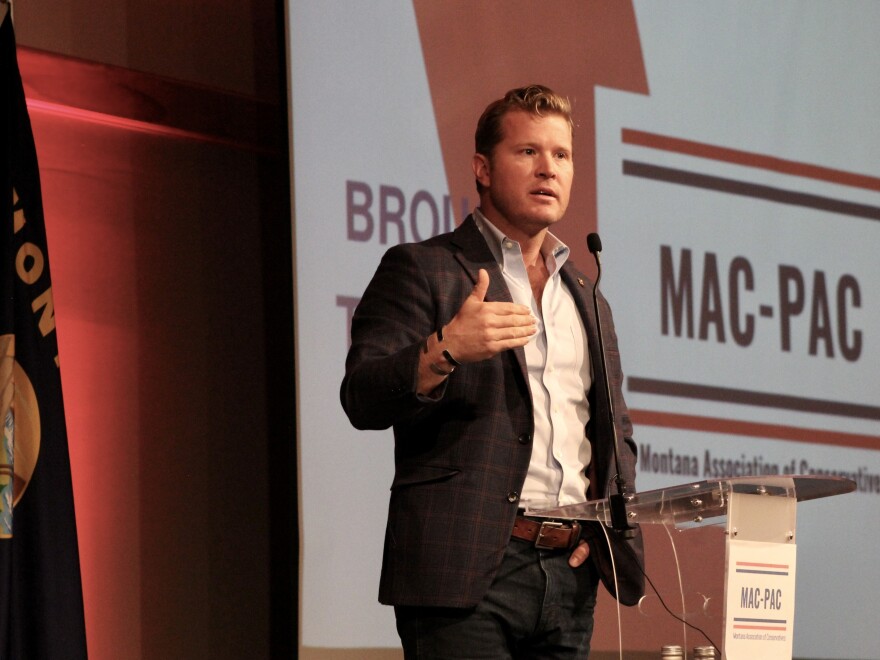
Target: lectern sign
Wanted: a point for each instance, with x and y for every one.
(759, 613)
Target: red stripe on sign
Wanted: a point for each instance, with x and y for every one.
(749, 159)
(753, 429)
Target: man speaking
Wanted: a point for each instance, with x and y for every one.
(480, 348)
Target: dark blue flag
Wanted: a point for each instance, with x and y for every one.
(41, 606)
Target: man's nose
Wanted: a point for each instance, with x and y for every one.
(546, 167)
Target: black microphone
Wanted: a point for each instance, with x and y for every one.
(617, 501)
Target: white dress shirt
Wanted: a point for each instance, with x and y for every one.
(559, 371)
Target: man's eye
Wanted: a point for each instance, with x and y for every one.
(528, 152)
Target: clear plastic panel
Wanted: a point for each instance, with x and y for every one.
(687, 568)
(702, 502)
(685, 550)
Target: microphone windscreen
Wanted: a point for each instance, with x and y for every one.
(594, 243)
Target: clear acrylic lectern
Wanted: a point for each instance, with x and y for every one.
(758, 515)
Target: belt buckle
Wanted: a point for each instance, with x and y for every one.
(552, 524)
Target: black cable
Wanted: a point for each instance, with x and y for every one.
(678, 618)
(663, 603)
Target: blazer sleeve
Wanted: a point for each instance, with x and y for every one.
(390, 324)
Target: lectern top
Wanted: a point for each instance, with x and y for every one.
(702, 502)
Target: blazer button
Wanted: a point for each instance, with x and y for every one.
(512, 496)
(525, 438)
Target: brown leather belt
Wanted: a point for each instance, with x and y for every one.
(547, 534)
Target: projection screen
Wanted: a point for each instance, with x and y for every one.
(729, 155)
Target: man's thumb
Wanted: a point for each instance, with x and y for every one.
(481, 286)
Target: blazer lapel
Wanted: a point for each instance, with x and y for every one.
(582, 290)
(475, 254)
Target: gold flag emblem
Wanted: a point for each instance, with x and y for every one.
(20, 416)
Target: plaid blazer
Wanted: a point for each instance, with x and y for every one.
(461, 460)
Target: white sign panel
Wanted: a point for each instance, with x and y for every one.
(759, 600)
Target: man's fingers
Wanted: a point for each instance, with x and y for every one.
(511, 330)
(516, 333)
(507, 309)
(579, 554)
(481, 286)
(482, 329)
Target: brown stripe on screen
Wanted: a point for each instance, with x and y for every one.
(752, 429)
(750, 398)
(746, 189)
(749, 159)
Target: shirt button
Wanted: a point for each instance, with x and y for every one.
(512, 496)
(525, 438)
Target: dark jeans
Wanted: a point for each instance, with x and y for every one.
(537, 607)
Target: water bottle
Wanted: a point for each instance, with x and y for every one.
(672, 652)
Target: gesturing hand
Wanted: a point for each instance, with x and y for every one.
(482, 329)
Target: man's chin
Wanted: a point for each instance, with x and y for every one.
(549, 212)
(547, 219)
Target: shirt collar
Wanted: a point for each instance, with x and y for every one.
(554, 251)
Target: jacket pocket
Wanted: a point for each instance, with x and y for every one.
(422, 474)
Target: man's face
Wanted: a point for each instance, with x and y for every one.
(528, 178)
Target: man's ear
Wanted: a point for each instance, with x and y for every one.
(481, 167)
